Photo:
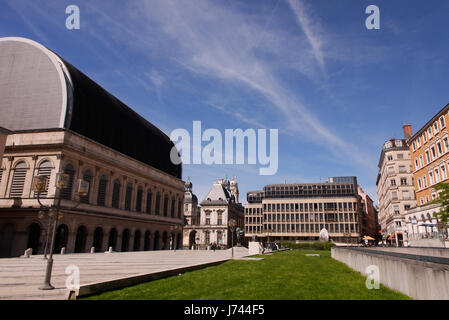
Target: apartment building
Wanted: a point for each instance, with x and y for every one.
(429, 149)
(395, 188)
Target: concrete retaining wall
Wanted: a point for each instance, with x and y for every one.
(412, 276)
(433, 252)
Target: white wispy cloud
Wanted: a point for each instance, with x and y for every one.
(311, 30)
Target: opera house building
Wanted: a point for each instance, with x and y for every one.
(63, 124)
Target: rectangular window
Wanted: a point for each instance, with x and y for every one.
(446, 144)
(396, 210)
(403, 181)
(434, 154)
(442, 123)
(439, 148)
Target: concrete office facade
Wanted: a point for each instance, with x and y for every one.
(298, 212)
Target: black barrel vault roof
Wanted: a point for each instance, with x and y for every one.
(100, 116)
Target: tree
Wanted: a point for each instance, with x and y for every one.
(443, 201)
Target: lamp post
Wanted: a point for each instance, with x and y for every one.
(40, 184)
(232, 225)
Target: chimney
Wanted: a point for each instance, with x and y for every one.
(408, 131)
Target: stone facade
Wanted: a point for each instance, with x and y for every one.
(217, 209)
(133, 220)
(395, 189)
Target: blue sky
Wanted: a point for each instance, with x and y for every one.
(335, 90)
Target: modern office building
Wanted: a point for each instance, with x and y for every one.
(63, 122)
(395, 189)
(219, 207)
(429, 149)
(299, 211)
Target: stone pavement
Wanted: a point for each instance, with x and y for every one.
(20, 278)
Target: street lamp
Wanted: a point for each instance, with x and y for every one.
(40, 184)
(232, 225)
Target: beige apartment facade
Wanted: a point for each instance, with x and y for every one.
(395, 188)
(68, 124)
(299, 212)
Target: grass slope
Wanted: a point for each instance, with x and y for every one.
(288, 275)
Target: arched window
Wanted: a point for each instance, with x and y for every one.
(98, 239)
(165, 205)
(125, 240)
(61, 238)
(116, 194)
(34, 236)
(139, 199)
(112, 242)
(102, 186)
(80, 241)
(172, 209)
(136, 245)
(44, 170)
(146, 243)
(87, 176)
(158, 204)
(156, 241)
(128, 196)
(18, 179)
(149, 201)
(66, 193)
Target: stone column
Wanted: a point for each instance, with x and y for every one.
(89, 240)
(71, 239)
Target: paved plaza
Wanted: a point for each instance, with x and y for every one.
(20, 278)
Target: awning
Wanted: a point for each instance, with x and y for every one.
(392, 235)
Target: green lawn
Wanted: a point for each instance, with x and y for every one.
(288, 275)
